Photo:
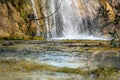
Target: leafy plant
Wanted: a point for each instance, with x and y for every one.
(117, 20)
(103, 12)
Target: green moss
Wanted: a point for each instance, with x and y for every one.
(38, 38)
(30, 66)
(105, 72)
(15, 38)
(23, 13)
(19, 4)
(22, 38)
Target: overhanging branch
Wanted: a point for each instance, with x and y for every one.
(44, 17)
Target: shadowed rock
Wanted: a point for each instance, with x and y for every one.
(31, 16)
(7, 44)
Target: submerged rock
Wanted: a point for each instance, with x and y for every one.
(7, 44)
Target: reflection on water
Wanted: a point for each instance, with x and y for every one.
(67, 59)
(23, 66)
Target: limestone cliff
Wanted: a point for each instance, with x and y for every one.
(114, 15)
(108, 7)
(13, 17)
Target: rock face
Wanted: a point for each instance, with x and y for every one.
(115, 5)
(10, 21)
(13, 17)
(107, 6)
(115, 24)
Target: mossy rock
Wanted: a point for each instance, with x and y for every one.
(17, 38)
(22, 38)
(13, 38)
(38, 38)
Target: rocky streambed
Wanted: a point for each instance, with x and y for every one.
(59, 60)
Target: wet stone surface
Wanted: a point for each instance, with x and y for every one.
(58, 61)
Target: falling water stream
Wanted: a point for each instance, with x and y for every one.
(73, 20)
(76, 19)
(36, 17)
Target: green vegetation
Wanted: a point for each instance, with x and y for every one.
(18, 4)
(23, 38)
(105, 14)
(105, 71)
(38, 38)
(13, 38)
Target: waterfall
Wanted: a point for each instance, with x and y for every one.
(76, 19)
(36, 17)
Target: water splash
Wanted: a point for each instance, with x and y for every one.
(36, 17)
(83, 37)
(76, 19)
